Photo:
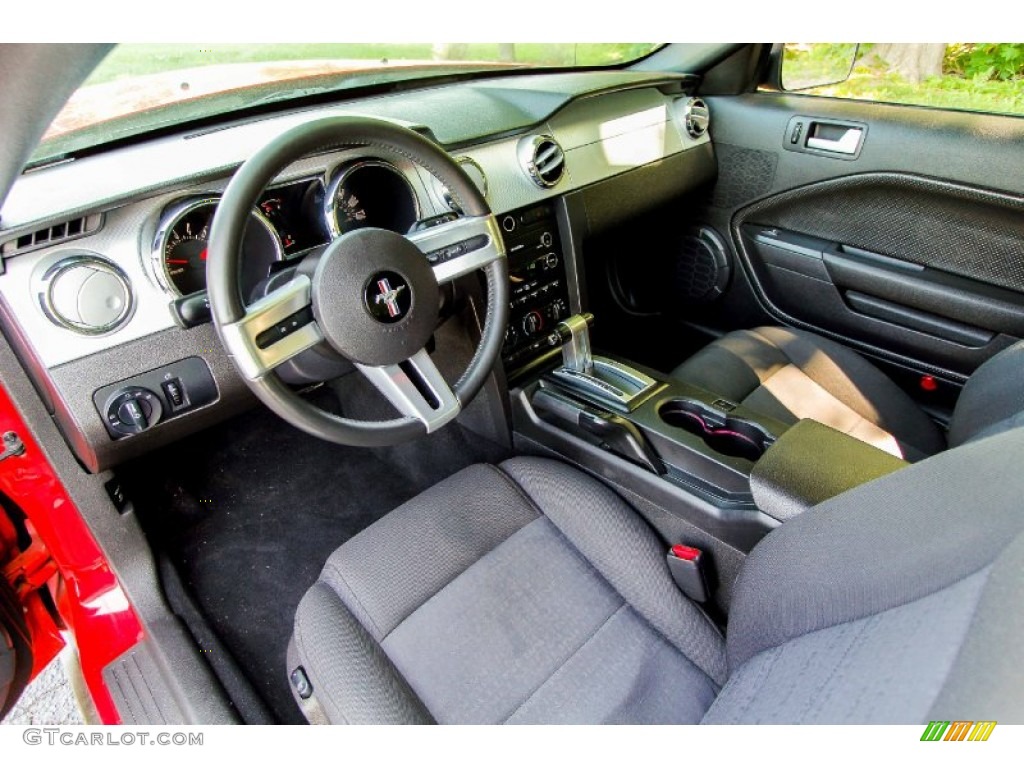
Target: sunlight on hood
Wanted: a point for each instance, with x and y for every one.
(146, 87)
(94, 104)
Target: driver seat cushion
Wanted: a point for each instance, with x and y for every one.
(500, 595)
(790, 375)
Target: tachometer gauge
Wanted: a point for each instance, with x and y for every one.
(370, 193)
(182, 238)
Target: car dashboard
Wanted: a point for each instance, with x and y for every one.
(103, 284)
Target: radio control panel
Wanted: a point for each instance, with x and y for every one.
(539, 293)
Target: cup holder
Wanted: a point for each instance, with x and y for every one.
(721, 433)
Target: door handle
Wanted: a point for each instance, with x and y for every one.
(839, 139)
(845, 144)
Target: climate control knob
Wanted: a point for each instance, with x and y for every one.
(532, 322)
(557, 310)
(133, 410)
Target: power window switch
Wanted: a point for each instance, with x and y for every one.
(175, 393)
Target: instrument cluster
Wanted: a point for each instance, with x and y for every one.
(288, 221)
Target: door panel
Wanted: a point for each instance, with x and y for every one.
(943, 225)
(914, 267)
(904, 238)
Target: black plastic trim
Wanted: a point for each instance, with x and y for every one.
(950, 330)
(930, 290)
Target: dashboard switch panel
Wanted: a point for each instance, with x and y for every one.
(135, 405)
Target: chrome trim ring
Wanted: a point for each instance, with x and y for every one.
(44, 284)
(343, 172)
(696, 117)
(526, 152)
(174, 213)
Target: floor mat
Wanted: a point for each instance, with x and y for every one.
(249, 511)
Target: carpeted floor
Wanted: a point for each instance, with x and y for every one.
(249, 511)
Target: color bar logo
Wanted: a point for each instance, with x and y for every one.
(959, 730)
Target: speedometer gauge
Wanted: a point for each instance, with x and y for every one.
(370, 193)
(179, 252)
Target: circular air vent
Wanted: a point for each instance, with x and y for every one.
(85, 293)
(543, 160)
(696, 117)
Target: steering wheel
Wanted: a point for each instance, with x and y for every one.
(371, 295)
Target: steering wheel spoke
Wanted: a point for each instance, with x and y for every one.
(275, 329)
(459, 247)
(416, 388)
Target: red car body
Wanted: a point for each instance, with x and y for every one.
(58, 571)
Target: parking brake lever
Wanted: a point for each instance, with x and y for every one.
(617, 434)
(622, 437)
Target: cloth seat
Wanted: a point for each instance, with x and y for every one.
(789, 375)
(532, 593)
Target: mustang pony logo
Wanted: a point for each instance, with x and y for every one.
(389, 297)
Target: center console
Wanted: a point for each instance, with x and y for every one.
(692, 439)
(688, 450)
(723, 470)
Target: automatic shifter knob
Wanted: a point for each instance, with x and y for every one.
(575, 335)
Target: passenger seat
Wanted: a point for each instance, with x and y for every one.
(791, 375)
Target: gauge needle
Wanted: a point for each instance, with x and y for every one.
(177, 261)
(202, 255)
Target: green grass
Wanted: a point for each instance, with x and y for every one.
(946, 92)
(143, 58)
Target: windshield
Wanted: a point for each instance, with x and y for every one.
(142, 87)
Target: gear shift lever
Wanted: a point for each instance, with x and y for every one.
(596, 379)
(574, 332)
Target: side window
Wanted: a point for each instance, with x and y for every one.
(980, 77)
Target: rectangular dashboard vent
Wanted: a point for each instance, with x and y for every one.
(57, 233)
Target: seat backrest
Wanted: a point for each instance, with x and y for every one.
(993, 398)
(898, 601)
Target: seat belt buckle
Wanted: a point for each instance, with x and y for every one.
(686, 564)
